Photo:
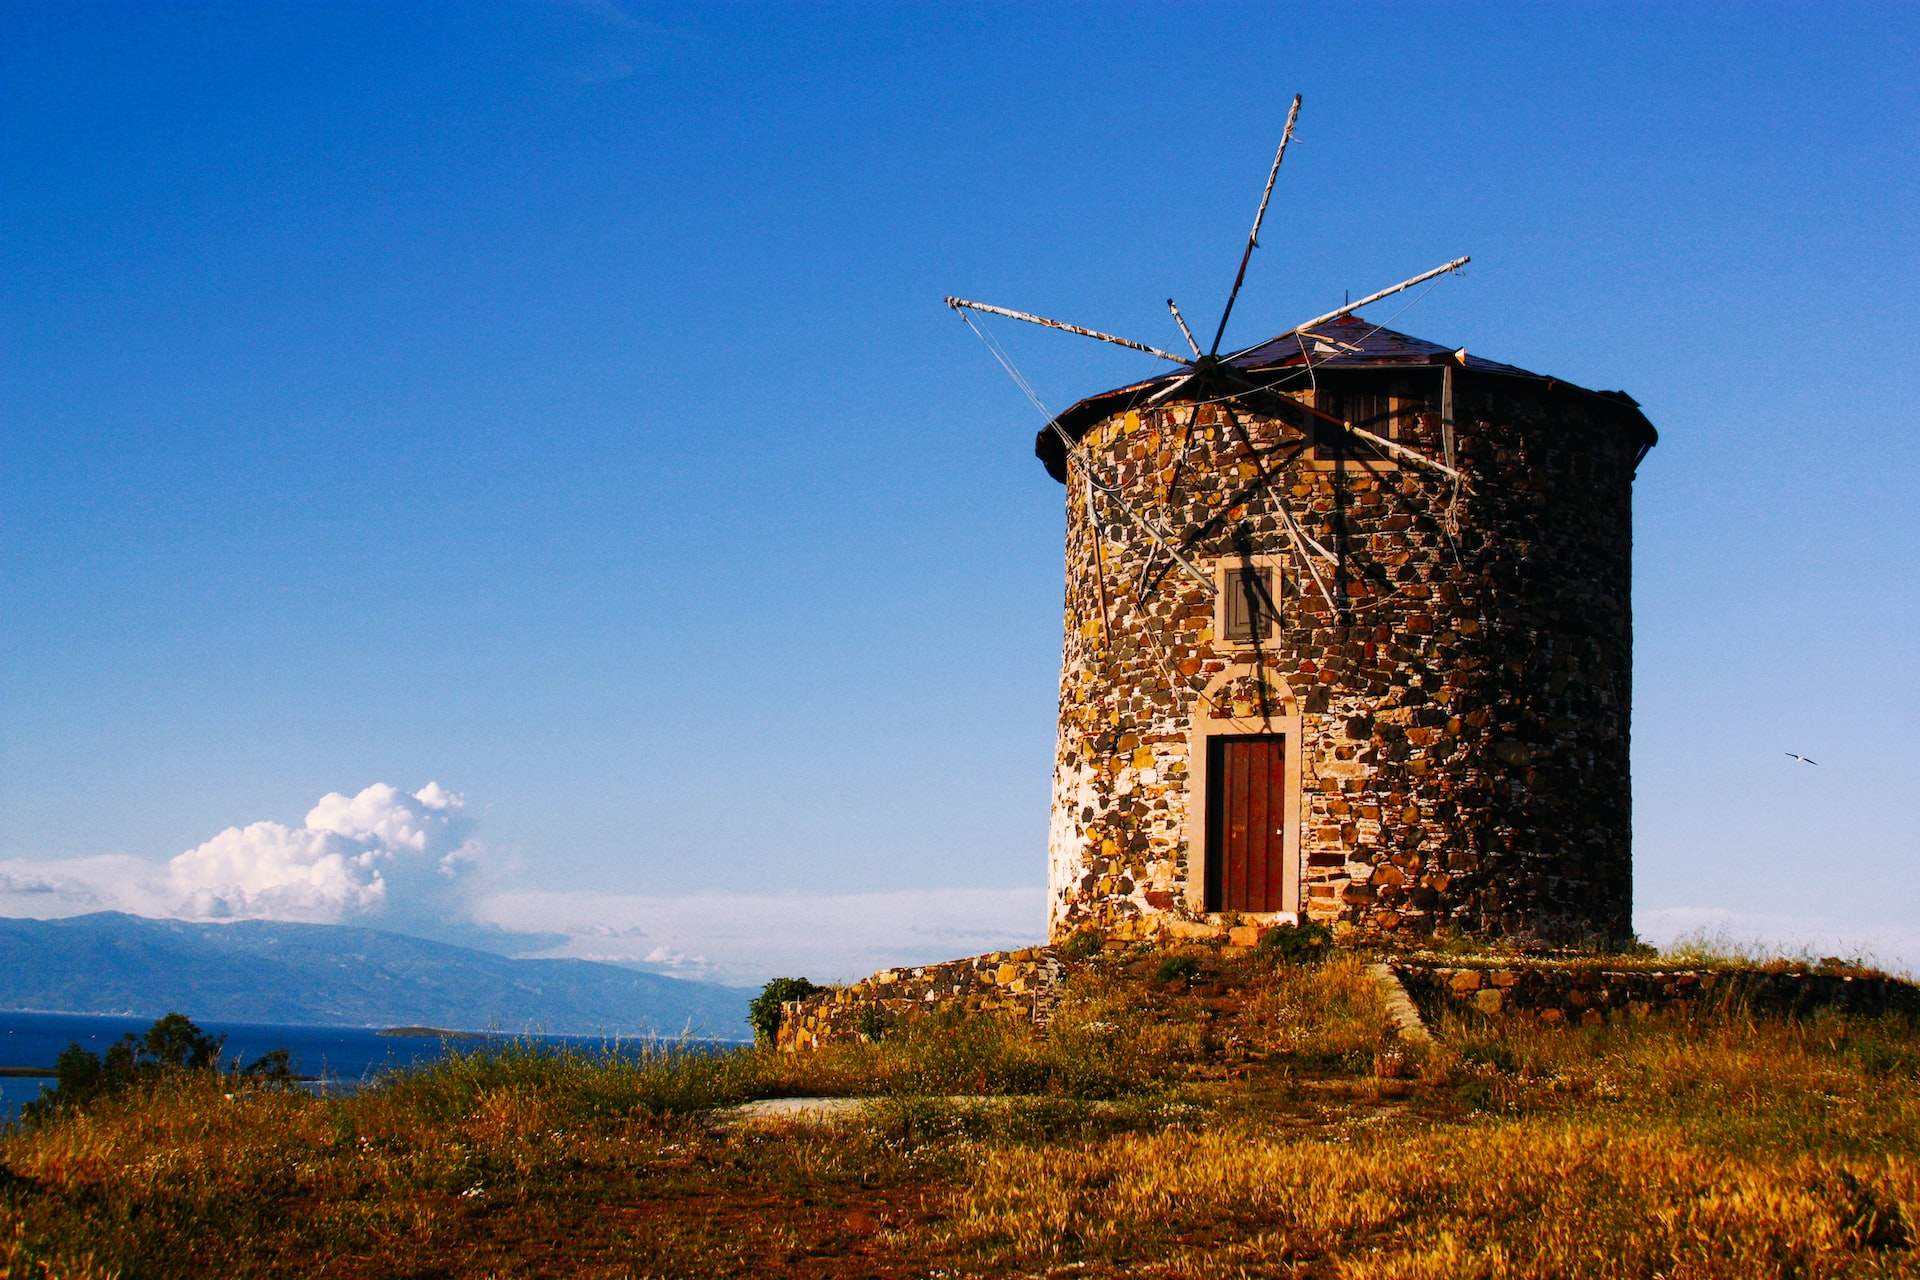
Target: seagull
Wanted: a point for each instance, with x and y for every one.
(1802, 759)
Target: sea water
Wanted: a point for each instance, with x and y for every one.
(336, 1058)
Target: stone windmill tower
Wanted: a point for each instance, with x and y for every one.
(1348, 636)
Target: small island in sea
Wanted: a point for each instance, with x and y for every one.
(434, 1033)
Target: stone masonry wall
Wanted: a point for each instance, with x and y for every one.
(1464, 714)
(1015, 984)
(1586, 994)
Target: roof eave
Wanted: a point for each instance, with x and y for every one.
(1076, 418)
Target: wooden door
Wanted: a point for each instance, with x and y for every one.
(1246, 823)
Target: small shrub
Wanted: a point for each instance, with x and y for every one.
(871, 1023)
(1477, 1095)
(172, 1044)
(1083, 945)
(764, 1012)
(1491, 1053)
(275, 1065)
(174, 1041)
(1176, 968)
(1297, 944)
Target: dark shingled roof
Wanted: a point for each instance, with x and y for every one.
(1344, 343)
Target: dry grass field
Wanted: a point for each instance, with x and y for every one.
(1243, 1118)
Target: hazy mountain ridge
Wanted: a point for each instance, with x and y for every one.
(262, 971)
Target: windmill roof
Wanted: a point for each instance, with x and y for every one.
(1346, 342)
(1349, 342)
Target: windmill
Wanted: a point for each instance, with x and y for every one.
(1445, 741)
(1214, 378)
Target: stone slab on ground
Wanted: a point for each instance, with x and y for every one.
(1401, 1011)
(768, 1111)
(776, 1111)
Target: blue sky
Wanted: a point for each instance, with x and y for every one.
(554, 401)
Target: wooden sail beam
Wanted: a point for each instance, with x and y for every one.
(1253, 236)
(1408, 455)
(1348, 307)
(1070, 447)
(1182, 322)
(1298, 536)
(1099, 557)
(1170, 388)
(1165, 543)
(1063, 326)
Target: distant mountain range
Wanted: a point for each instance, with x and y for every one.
(338, 975)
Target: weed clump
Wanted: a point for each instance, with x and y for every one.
(1306, 944)
(576, 1086)
(1083, 944)
(871, 1023)
(1176, 968)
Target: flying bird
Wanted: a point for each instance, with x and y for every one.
(1802, 759)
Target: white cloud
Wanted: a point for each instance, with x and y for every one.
(753, 937)
(75, 886)
(267, 870)
(378, 857)
(377, 853)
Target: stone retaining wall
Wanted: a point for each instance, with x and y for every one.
(1021, 985)
(1588, 994)
(1024, 986)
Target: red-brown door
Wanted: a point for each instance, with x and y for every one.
(1246, 818)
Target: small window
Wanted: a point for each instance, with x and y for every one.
(1390, 417)
(1372, 412)
(1247, 610)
